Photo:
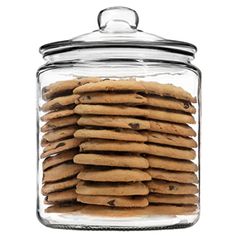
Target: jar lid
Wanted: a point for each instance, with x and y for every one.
(118, 29)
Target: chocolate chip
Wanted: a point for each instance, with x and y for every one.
(172, 187)
(56, 106)
(60, 145)
(88, 97)
(111, 203)
(134, 125)
(186, 105)
(45, 89)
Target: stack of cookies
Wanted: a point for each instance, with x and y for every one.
(58, 143)
(136, 146)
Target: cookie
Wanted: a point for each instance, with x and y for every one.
(151, 210)
(169, 139)
(171, 164)
(86, 80)
(113, 121)
(132, 161)
(58, 186)
(59, 88)
(172, 128)
(59, 102)
(155, 114)
(59, 146)
(114, 201)
(64, 208)
(176, 176)
(113, 175)
(172, 199)
(57, 114)
(62, 196)
(126, 135)
(61, 172)
(59, 122)
(136, 124)
(168, 90)
(135, 99)
(165, 187)
(111, 189)
(59, 158)
(59, 134)
(121, 146)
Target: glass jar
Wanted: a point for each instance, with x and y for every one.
(118, 129)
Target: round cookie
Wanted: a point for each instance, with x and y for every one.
(169, 139)
(59, 88)
(63, 208)
(113, 121)
(60, 197)
(59, 158)
(171, 164)
(135, 124)
(172, 199)
(168, 90)
(59, 134)
(131, 161)
(114, 201)
(58, 186)
(135, 99)
(176, 176)
(111, 189)
(121, 146)
(125, 135)
(113, 175)
(164, 209)
(59, 102)
(59, 122)
(165, 187)
(155, 114)
(60, 146)
(57, 114)
(61, 172)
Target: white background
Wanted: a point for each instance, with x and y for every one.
(25, 25)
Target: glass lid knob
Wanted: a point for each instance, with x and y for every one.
(118, 19)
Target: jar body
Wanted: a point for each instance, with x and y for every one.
(123, 154)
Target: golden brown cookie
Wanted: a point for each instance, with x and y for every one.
(136, 124)
(57, 114)
(111, 189)
(64, 208)
(162, 209)
(61, 172)
(113, 121)
(58, 186)
(168, 90)
(59, 122)
(59, 102)
(59, 88)
(165, 187)
(60, 146)
(59, 158)
(156, 114)
(172, 199)
(125, 135)
(176, 176)
(169, 139)
(171, 164)
(121, 146)
(113, 175)
(135, 99)
(59, 134)
(114, 201)
(132, 161)
(68, 195)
